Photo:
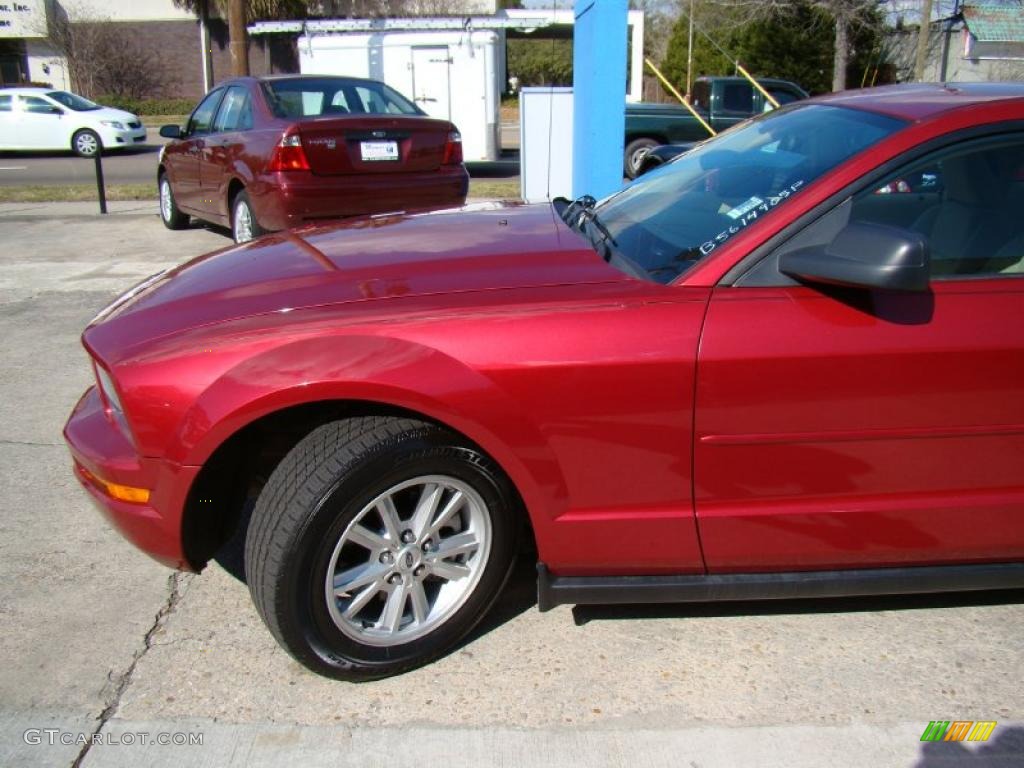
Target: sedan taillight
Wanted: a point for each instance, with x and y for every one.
(453, 149)
(289, 155)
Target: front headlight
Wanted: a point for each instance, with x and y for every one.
(109, 394)
(106, 385)
(113, 124)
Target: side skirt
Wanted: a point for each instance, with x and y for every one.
(616, 590)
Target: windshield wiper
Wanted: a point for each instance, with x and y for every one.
(570, 213)
(590, 215)
(581, 212)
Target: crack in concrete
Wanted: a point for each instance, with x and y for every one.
(175, 583)
(30, 443)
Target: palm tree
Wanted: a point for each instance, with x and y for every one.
(239, 13)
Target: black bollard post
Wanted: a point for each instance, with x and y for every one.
(99, 178)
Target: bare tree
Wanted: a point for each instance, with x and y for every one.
(101, 59)
(845, 14)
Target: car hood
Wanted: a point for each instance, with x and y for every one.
(384, 258)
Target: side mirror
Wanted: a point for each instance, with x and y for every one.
(864, 255)
(171, 131)
(54, 110)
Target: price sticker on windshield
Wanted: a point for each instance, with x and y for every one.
(745, 208)
(377, 151)
(747, 212)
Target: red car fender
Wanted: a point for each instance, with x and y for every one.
(380, 370)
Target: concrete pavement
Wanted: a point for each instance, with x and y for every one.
(98, 639)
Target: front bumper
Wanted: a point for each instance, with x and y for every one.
(113, 138)
(287, 199)
(100, 450)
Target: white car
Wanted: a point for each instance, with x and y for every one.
(44, 118)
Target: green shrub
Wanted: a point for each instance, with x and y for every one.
(148, 106)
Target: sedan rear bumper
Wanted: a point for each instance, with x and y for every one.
(287, 199)
(103, 455)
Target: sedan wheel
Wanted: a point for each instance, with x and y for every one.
(169, 213)
(86, 143)
(377, 544)
(244, 226)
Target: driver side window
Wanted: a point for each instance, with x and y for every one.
(965, 200)
(202, 118)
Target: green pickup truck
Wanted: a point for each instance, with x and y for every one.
(721, 101)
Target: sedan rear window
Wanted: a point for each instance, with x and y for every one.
(326, 96)
(669, 219)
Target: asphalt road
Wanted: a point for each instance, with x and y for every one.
(137, 165)
(98, 639)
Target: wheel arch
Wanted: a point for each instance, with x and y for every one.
(246, 436)
(222, 495)
(234, 186)
(652, 135)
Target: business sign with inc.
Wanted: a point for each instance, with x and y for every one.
(22, 18)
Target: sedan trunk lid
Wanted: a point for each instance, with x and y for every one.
(373, 144)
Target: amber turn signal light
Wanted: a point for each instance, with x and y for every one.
(114, 490)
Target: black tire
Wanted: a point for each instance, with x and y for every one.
(241, 207)
(86, 143)
(312, 500)
(634, 155)
(170, 214)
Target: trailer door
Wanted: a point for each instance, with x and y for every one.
(431, 73)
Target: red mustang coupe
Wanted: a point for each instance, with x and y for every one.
(266, 154)
(746, 375)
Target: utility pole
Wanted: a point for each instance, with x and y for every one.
(689, 56)
(238, 43)
(922, 40)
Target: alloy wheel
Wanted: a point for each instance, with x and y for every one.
(242, 222)
(166, 200)
(408, 561)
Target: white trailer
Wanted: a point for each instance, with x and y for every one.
(455, 75)
(453, 67)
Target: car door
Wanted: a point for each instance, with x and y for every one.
(222, 148)
(846, 427)
(183, 157)
(40, 124)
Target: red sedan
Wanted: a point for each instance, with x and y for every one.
(744, 376)
(264, 154)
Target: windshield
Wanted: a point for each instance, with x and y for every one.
(72, 101)
(669, 219)
(328, 96)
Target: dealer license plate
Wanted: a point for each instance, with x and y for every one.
(373, 151)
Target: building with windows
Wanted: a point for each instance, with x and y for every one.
(977, 40)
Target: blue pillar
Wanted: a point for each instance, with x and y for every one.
(599, 96)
